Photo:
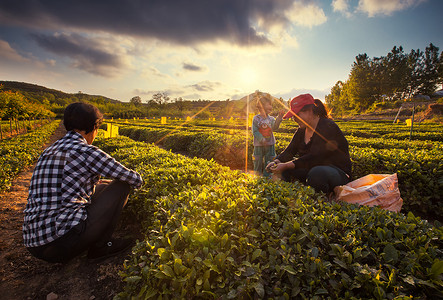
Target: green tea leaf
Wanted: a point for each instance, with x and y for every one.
(436, 269)
(289, 269)
(255, 254)
(259, 289)
(390, 253)
(314, 252)
(167, 270)
(132, 279)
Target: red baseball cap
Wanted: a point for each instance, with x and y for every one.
(297, 103)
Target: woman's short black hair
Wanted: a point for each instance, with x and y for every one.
(82, 116)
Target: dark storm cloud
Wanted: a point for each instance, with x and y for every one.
(87, 54)
(192, 67)
(178, 21)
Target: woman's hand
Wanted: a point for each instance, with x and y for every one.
(280, 167)
(271, 165)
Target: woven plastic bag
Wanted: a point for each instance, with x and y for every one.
(371, 190)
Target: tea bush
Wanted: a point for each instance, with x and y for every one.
(418, 163)
(18, 152)
(213, 233)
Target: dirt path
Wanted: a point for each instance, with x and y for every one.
(25, 277)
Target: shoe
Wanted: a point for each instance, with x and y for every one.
(111, 248)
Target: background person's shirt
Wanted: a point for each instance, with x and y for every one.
(263, 130)
(62, 184)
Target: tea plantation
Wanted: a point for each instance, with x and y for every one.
(375, 147)
(216, 233)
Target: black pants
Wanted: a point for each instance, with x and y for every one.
(107, 203)
(321, 178)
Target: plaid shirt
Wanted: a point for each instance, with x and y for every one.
(62, 184)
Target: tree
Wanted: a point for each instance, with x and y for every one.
(160, 98)
(395, 70)
(180, 103)
(136, 100)
(415, 69)
(392, 77)
(360, 90)
(333, 99)
(430, 75)
(440, 69)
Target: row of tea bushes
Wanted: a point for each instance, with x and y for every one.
(420, 175)
(18, 152)
(224, 148)
(213, 233)
(419, 164)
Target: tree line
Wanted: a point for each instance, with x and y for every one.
(13, 105)
(396, 77)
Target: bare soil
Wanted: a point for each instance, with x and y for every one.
(26, 277)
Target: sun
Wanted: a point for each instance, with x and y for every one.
(248, 75)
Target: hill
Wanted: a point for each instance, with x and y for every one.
(37, 91)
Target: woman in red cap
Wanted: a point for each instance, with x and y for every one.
(318, 154)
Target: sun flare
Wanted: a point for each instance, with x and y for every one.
(248, 75)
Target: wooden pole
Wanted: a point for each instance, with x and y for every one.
(398, 113)
(412, 122)
(247, 134)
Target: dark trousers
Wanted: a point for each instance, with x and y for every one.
(321, 178)
(107, 203)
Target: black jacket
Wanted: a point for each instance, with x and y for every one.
(328, 146)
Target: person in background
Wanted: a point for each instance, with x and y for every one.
(318, 154)
(263, 126)
(69, 209)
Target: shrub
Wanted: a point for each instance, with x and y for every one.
(213, 233)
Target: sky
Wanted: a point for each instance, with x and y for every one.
(204, 49)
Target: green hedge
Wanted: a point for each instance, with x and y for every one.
(213, 233)
(18, 152)
(419, 164)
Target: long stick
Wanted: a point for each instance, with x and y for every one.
(412, 122)
(397, 114)
(247, 134)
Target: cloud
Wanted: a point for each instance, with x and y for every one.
(8, 53)
(341, 6)
(193, 67)
(374, 7)
(51, 62)
(142, 92)
(199, 90)
(306, 14)
(243, 23)
(386, 7)
(89, 54)
(206, 86)
(154, 72)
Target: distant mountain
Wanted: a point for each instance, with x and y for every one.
(37, 90)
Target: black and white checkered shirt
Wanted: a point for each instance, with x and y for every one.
(62, 184)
